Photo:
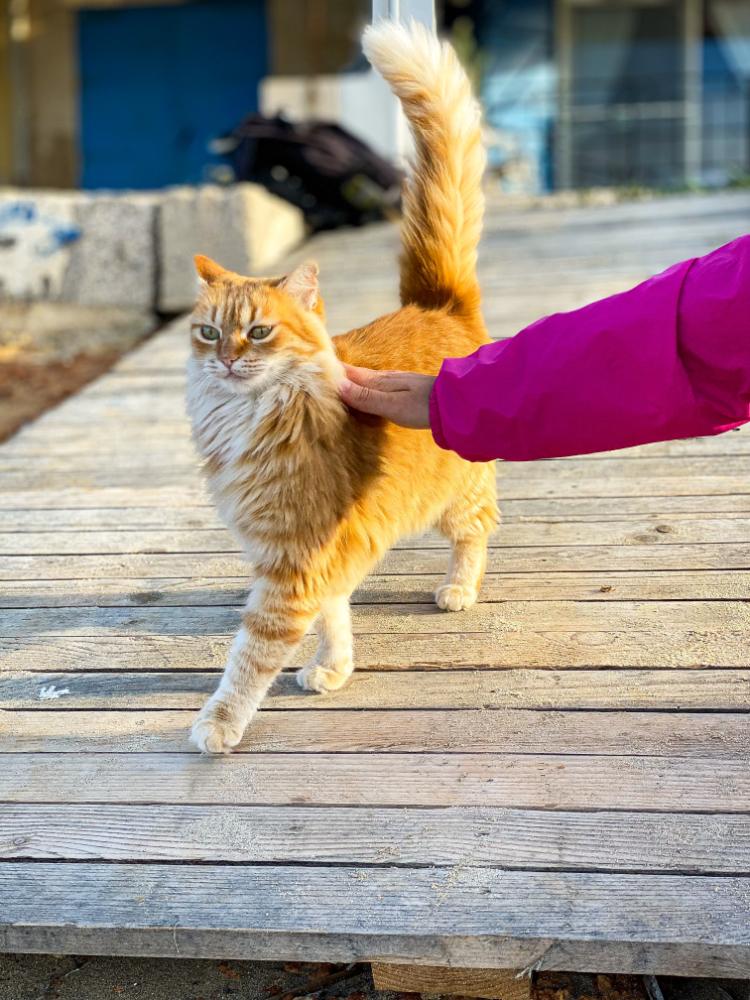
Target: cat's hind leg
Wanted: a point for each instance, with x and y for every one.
(468, 522)
(333, 663)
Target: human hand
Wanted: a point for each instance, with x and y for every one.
(402, 397)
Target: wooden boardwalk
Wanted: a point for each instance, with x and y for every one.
(556, 779)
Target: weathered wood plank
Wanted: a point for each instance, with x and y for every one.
(212, 540)
(541, 559)
(170, 489)
(424, 651)
(473, 917)
(520, 781)
(415, 588)
(99, 487)
(513, 634)
(630, 513)
(469, 837)
(383, 731)
(123, 439)
(649, 690)
(653, 468)
(371, 620)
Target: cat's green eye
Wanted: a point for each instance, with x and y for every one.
(206, 332)
(260, 332)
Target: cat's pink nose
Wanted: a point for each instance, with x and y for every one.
(228, 362)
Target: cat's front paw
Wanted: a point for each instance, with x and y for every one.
(455, 597)
(215, 731)
(315, 677)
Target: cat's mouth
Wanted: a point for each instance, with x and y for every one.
(244, 376)
(240, 381)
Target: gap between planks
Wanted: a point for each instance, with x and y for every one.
(201, 591)
(593, 690)
(386, 730)
(470, 836)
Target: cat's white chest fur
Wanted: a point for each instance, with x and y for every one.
(223, 426)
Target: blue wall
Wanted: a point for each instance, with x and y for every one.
(158, 83)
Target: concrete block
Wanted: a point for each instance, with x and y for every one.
(114, 263)
(243, 227)
(80, 247)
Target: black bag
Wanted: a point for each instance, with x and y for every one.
(333, 177)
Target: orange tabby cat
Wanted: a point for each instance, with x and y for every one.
(315, 496)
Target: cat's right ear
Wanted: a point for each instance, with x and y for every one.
(208, 270)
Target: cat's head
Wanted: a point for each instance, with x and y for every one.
(246, 332)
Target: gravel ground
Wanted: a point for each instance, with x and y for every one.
(49, 350)
(55, 977)
(58, 977)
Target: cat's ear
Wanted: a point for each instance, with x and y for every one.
(302, 285)
(208, 270)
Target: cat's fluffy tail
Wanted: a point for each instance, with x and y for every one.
(443, 201)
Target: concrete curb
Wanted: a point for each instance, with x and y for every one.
(133, 249)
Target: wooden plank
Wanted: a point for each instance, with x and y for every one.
(100, 486)
(166, 489)
(461, 916)
(201, 591)
(497, 984)
(76, 442)
(469, 837)
(517, 535)
(648, 690)
(542, 559)
(643, 515)
(384, 731)
(372, 621)
(664, 635)
(30, 442)
(423, 651)
(651, 468)
(519, 781)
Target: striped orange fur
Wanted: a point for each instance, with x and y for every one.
(315, 495)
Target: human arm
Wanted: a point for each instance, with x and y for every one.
(667, 359)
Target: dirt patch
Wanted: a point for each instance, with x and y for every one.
(48, 351)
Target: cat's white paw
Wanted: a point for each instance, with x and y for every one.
(315, 677)
(214, 732)
(455, 597)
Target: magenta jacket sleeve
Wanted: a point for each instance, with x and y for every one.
(667, 359)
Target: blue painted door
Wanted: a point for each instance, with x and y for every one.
(158, 83)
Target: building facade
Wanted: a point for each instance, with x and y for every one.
(578, 93)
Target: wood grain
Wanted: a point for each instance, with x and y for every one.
(92, 541)
(382, 588)
(470, 836)
(494, 983)
(523, 781)
(479, 917)
(541, 559)
(649, 690)
(385, 731)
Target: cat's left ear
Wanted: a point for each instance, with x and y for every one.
(302, 285)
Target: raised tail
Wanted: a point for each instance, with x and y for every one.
(443, 200)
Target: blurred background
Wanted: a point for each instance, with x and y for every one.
(579, 93)
(134, 133)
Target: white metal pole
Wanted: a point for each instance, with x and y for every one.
(402, 10)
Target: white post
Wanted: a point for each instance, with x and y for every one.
(693, 69)
(401, 10)
(405, 10)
